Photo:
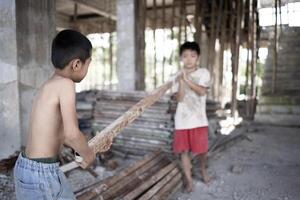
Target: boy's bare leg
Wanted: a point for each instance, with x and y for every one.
(186, 165)
(203, 173)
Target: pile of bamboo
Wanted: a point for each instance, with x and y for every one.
(153, 177)
(150, 131)
(84, 108)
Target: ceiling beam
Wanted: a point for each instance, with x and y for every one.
(97, 7)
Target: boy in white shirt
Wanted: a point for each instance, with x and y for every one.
(191, 124)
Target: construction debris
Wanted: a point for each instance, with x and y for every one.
(153, 177)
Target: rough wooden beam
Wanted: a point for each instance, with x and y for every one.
(96, 7)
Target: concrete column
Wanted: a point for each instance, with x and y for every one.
(128, 35)
(35, 31)
(27, 28)
(9, 90)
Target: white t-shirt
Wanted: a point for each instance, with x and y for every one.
(191, 112)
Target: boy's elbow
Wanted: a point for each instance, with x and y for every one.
(72, 135)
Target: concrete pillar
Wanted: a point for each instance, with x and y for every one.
(27, 29)
(35, 31)
(9, 90)
(128, 34)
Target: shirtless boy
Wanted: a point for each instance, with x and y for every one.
(53, 123)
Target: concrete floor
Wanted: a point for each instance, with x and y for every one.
(266, 168)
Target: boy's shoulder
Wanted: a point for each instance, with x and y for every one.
(203, 70)
(61, 82)
(59, 85)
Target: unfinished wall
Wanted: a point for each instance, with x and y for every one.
(281, 105)
(9, 90)
(35, 31)
(27, 28)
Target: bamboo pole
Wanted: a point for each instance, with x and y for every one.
(254, 54)
(154, 38)
(249, 31)
(140, 13)
(179, 30)
(103, 59)
(184, 19)
(164, 33)
(196, 21)
(110, 46)
(172, 29)
(280, 16)
(223, 44)
(217, 71)
(202, 6)
(212, 42)
(237, 50)
(235, 58)
(275, 55)
(212, 38)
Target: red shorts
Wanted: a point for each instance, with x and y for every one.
(194, 140)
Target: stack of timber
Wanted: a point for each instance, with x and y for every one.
(152, 130)
(84, 108)
(153, 177)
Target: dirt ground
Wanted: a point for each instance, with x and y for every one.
(265, 168)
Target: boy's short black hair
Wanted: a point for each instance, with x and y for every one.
(194, 46)
(68, 45)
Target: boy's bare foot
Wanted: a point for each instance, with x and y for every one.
(189, 186)
(206, 179)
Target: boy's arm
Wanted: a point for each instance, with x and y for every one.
(73, 136)
(200, 90)
(180, 93)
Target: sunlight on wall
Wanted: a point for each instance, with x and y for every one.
(290, 14)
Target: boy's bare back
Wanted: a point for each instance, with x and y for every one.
(46, 130)
(53, 119)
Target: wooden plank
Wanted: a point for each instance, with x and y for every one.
(155, 178)
(136, 179)
(152, 191)
(164, 192)
(107, 183)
